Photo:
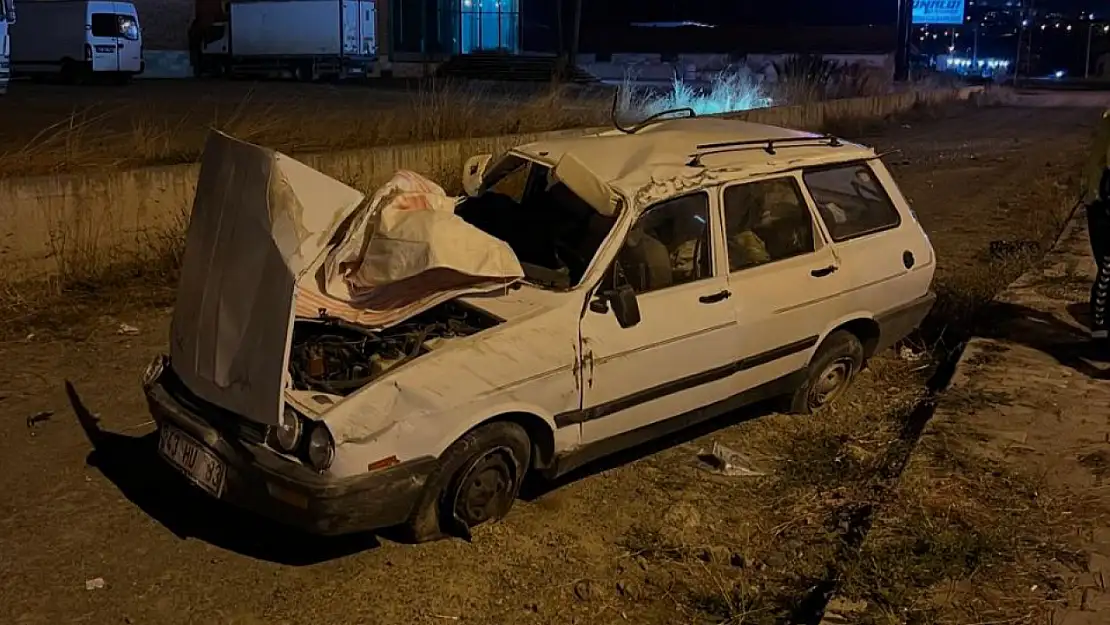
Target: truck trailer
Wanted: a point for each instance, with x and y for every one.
(307, 39)
(7, 18)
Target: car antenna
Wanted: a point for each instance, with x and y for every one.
(631, 130)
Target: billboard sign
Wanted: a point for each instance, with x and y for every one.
(938, 11)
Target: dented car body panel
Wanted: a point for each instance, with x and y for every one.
(612, 338)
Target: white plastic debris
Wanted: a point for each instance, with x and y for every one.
(96, 583)
(127, 330)
(725, 461)
(908, 354)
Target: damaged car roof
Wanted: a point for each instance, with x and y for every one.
(655, 161)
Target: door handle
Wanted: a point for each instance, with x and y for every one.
(824, 271)
(716, 297)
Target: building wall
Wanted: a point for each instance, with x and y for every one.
(165, 23)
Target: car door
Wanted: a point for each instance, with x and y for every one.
(129, 42)
(368, 29)
(103, 41)
(679, 356)
(785, 277)
(879, 243)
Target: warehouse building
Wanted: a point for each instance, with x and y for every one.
(408, 30)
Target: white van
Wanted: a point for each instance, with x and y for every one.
(76, 39)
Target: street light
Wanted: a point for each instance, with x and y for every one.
(1090, 36)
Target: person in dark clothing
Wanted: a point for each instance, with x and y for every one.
(1098, 227)
(1096, 197)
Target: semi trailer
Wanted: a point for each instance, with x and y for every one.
(7, 18)
(306, 39)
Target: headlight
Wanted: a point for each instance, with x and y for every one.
(287, 433)
(321, 447)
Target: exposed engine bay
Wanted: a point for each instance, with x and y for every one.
(332, 356)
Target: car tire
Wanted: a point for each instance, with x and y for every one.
(830, 372)
(478, 479)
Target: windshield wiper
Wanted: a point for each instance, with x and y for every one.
(541, 276)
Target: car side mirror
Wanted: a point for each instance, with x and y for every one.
(623, 301)
(474, 171)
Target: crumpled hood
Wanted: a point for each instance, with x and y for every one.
(262, 231)
(260, 220)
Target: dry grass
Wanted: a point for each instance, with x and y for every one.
(730, 90)
(162, 130)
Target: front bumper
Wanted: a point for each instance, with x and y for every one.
(272, 486)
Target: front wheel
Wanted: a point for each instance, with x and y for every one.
(478, 481)
(830, 373)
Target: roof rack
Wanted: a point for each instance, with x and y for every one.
(768, 146)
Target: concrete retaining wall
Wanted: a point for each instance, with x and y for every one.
(49, 224)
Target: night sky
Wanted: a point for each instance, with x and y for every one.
(749, 12)
(813, 12)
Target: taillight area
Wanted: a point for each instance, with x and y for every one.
(88, 53)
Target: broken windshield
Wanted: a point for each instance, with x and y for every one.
(553, 232)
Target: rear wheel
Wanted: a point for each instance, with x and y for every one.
(478, 481)
(831, 371)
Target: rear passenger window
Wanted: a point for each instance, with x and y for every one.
(766, 221)
(851, 201)
(667, 246)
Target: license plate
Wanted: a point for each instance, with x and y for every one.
(198, 464)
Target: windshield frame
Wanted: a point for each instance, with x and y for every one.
(591, 274)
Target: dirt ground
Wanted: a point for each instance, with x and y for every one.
(648, 537)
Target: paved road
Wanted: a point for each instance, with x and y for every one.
(168, 555)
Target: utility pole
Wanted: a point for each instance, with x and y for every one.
(1026, 14)
(1090, 35)
(577, 27)
(903, 28)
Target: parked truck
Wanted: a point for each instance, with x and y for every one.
(77, 40)
(7, 18)
(306, 39)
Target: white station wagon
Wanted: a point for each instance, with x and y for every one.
(668, 274)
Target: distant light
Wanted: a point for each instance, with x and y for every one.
(1024, 22)
(1069, 27)
(685, 24)
(1059, 73)
(951, 48)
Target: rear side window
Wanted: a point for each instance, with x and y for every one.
(114, 25)
(105, 25)
(851, 201)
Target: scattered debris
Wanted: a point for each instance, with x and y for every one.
(725, 461)
(39, 417)
(1003, 249)
(127, 330)
(907, 354)
(96, 583)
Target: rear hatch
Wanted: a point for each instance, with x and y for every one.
(260, 220)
